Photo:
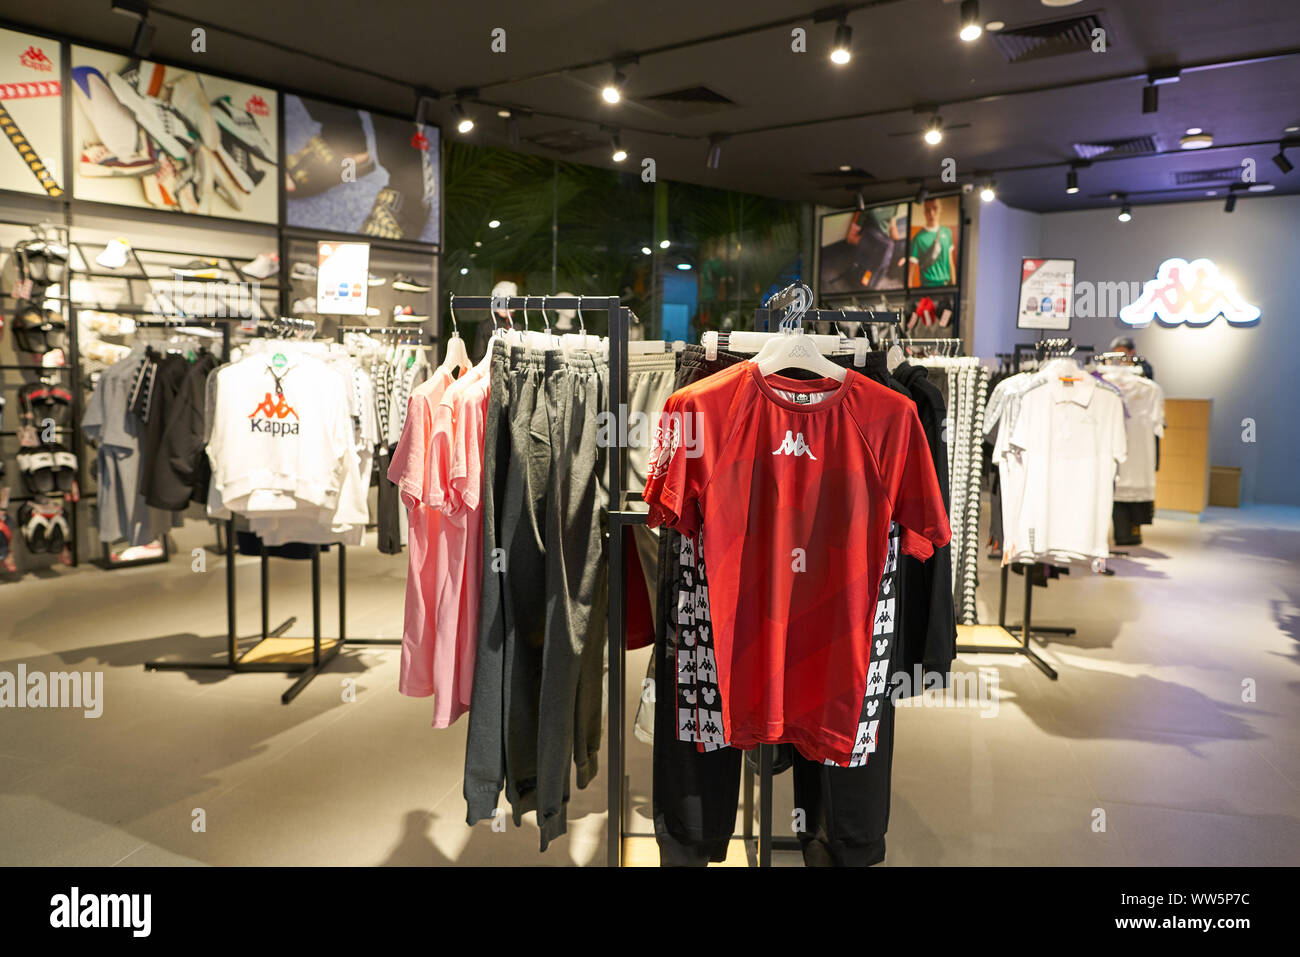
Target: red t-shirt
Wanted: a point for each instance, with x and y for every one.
(796, 483)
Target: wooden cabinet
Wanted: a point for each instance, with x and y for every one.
(1183, 479)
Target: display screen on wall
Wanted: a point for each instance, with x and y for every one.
(863, 249)
(932, 242)
(352, 171)
(1046, 294)
(31, 118)
(163, 137)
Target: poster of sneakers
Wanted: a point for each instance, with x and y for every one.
(163, 137)
(352, 171)
(31, 119)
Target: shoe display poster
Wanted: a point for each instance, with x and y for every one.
(31, 114)
(1046, 294)
(342, 271)
(162, 137)
(353, 171)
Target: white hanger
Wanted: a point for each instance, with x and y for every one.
(457, 354)
(791, 349)
(580, 341)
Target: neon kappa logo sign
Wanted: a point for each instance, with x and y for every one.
(1195, 293)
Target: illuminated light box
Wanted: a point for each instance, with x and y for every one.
(1195, 293)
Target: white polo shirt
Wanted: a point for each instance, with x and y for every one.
(1069, 438)
(1145, 401)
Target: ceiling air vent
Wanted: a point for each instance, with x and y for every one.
(1132, 146)
(690, 101)
(1195, 177)
(1053, 38)
(565, 141)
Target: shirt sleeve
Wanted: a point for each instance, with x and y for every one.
(913, 487)
(407, 467)
(467, 454)
(675, 472)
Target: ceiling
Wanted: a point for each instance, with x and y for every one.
(1023, 118)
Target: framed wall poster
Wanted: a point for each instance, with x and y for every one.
(353, 171)
(342, 270)
(31, 114)
(933, 251)
(164, 137)
(1046, 294)
(863, 250)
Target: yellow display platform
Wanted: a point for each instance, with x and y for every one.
(985, 636)
(285, 650)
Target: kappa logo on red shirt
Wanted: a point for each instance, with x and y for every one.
(257, 106)
(35, 58)
(794, 444)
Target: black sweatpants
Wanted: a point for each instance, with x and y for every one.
(695, 793)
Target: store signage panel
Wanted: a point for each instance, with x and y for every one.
(353, 171)
(1046, 294)
(162, 137)
(341, 278)
(31, 114)
(1194, 293)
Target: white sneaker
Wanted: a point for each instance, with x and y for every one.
(266, 264)
(110, 119)
(242, 126)
(374, 280)
(305, 306)
(114, 254)
(303, 271)
(159, 120)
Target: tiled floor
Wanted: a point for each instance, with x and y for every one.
(1170, 737)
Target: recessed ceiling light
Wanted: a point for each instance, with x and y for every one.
(1196, 141)
(993, 26)
(1293, 129)
(663, 244)
(493, 223)
(478, 243)
(1060, 3)
(1211, 192)
(504, 114)
(1194, 131)
(683, 266)
(645, 250)
(1262, 187)
(845, 168)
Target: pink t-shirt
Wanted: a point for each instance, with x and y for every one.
(463, 526)
(408, 470)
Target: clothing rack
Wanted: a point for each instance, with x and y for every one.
(251, 660)
(621, 519)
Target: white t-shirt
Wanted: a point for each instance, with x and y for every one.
(1145, 401)
(1069, 438)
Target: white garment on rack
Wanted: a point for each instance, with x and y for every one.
(1145, 402)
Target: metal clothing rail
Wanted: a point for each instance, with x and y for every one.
(250, 661)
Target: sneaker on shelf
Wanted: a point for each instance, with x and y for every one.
(240, 124)
(198, 269)
(113, 256)
(266, 264)
(306, 307)
(405, 283)
(374, 280)
(136, 553)
(303, 271)
(372, 311)
(407, 314)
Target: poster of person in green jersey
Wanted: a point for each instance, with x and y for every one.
(932, 249)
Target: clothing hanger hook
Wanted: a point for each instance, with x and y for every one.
(451, 304)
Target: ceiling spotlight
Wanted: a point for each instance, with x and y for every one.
(1195, 139)
(1230, 203)
(504, 114)
(1125, 213)
(988, 193)
(645, 250)
(1150, 99)
(1072, 182)
(862, 200)
(664, 244)
(463, 123)
(844, 168)
(683, 266)
(493, 223)
(714, 157)
(994, 26)
(842, 48)
(934, 130)
(619, 154)
(1281, 162)
(1151, 93)
(613, 91)
(922, 194)
(464, 270)
(970, 20)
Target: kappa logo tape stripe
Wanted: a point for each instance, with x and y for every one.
(29, 91)
(28, 154)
